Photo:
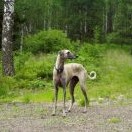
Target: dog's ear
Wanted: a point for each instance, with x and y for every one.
(60, 52)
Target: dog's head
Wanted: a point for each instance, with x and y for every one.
(67, 54)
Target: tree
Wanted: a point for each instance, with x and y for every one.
(81, 17)
(7, 51)
(123, 20)
(1, 17)
(119, 21)
(84, 20)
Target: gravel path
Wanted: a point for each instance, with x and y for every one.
(36, 117)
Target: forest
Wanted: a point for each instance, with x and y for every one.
(99, 31)
(85, 20)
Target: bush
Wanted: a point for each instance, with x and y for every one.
(113, 38)
(46, 41)
(6, 84)
(34, 70)
(20, 59)
(30, 67)
(91, 54)
(4, 89)
(118, 38)
(97, 35)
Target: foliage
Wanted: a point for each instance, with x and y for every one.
(46, 42)
(81, 18)
(4, 89)
(122, 22)
(78, 18)
(6, 84)
(90, 55)
(97, 35)
(33, 80)
(113, 38)
(35, 71)
(117, 38)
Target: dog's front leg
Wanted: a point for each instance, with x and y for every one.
(64, 96)
(55, 102)
(64, 99)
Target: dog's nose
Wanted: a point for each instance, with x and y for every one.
(77, 56)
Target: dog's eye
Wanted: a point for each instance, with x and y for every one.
(68, 52)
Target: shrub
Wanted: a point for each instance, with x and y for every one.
(97, 35)
(34, 71)
(91, 54)
(6, 83)
(33, 67)
(38, 83)
(112, 38)
(118, 38)
(20, 59)
(46, 41)
(4, 89)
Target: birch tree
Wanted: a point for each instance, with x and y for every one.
(7, 51)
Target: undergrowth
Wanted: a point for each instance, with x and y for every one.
(33, 79)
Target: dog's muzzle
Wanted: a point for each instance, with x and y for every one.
(73, 57)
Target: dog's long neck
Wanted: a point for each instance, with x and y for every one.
(59, 65)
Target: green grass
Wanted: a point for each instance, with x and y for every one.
(33, 80)
(114, 120)
(117, 72)
(38, 96)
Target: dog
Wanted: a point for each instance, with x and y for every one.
(69, 74)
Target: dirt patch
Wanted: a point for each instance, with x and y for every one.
(36, 117)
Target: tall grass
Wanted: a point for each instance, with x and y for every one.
(117, 72)
(33, 79)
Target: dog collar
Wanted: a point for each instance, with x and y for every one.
(59, 70)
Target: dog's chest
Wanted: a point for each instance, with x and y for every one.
(61, 80)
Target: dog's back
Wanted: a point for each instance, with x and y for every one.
(74, 69)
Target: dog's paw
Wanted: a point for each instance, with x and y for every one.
(64, 114)
(53, 114)
(69, 110)
(85, 111)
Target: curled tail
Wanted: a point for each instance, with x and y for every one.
(92, 75)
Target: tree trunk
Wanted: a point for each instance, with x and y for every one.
(22, 36)
(7, 51)
(1, 19)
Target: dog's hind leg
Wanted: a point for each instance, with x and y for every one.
(63, 82)
(72, 85)
(83, 88)
(64, 99)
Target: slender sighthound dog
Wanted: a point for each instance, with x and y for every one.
(69, 74)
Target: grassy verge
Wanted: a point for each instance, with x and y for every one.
(33, 80)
